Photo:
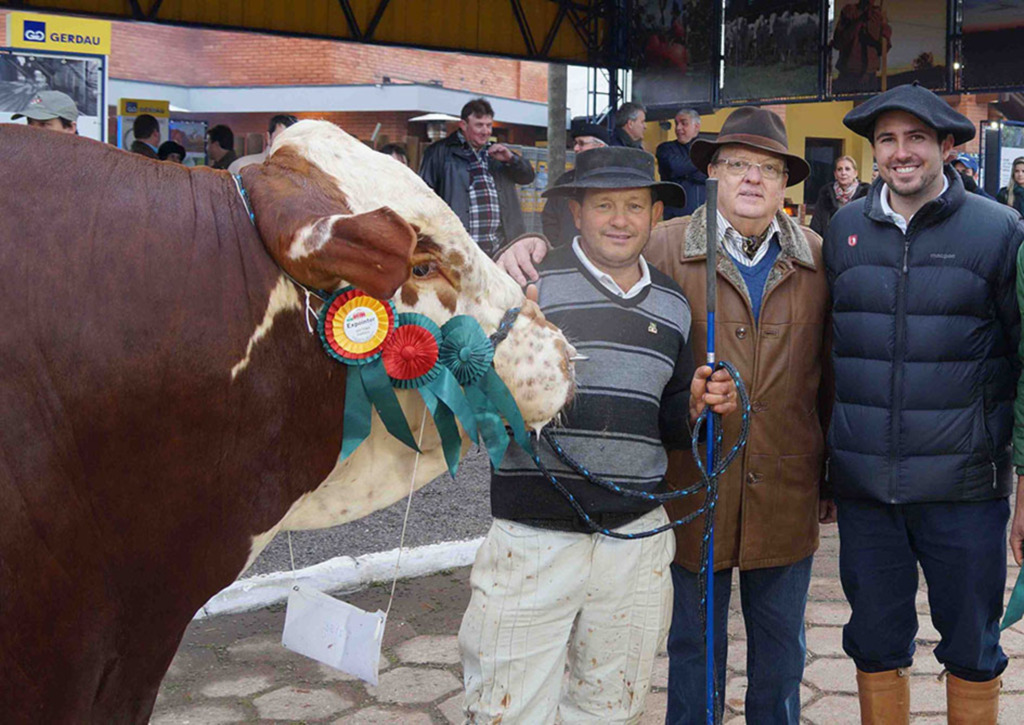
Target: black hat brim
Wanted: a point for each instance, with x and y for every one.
(916, 101)
(665, 191)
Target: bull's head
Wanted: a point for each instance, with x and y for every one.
(365, 212)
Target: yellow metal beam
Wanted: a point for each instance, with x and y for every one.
(473, 26)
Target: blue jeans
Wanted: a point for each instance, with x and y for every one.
(961, 548)
(774, 601)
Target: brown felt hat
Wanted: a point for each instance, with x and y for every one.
(758, 128)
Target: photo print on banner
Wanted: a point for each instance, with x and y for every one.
(877, 45)
(670, 52)
(24, 74)
(771, 50)
(990, 29)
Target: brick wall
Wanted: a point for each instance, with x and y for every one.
(189, 57)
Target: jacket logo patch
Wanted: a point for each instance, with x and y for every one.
(852, 240)
(652, 328)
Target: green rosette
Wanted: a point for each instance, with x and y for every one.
(439, 390)
(1015, 607)
(468, 353)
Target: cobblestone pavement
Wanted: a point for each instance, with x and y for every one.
(232, 668)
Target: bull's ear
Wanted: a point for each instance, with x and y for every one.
(372, 251)
(303, 221)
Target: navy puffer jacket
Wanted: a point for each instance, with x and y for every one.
(925, 328)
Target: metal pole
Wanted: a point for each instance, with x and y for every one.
(556, 121)
(711, 210)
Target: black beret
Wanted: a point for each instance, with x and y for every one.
(914, 100)
(582, 128)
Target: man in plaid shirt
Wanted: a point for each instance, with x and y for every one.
(477, 178)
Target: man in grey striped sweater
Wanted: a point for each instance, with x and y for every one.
(544, 583)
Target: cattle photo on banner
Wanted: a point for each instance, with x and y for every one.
(771, 50)
(990, 28)
(671, 52)
(23, 75)
(880, 44)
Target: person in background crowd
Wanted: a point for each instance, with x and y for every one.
(477, 178)
(674, 163)
(630, 123)
(171, 151)
(845, 188)
(874, 172)
(51, 110)
(544, 584)
(395, 151)
(146, 130)
(1013, 193)
(771, 290)
(926, 330)
(968, 169)
(220, 145)
(276, 125)
(557, 219)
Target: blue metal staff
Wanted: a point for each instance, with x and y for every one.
(711, 210)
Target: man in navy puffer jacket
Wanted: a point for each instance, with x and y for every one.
(926, 328)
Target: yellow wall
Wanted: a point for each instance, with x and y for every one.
(817, 120)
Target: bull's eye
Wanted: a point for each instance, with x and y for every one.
(424, 270)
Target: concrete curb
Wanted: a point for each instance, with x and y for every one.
(341, 572)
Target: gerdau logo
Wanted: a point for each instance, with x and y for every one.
(35, 31)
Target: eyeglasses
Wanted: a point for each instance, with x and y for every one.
(771, 170)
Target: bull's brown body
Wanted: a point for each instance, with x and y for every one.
(134, 471)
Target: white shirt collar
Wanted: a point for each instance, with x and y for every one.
(734, 246)
(606, 279)
(895, 217)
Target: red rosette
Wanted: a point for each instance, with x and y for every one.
(410, 353)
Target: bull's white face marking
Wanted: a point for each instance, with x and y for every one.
(532, 361)
(283, 297)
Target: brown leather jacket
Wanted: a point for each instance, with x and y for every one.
(767, 512)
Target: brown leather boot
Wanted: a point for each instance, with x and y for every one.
(884, 697)
(972, 703)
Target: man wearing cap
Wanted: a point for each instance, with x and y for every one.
(52, 110)
(556, 219)
(544, 582)
(675, 164)
(968, 170)
(926, 330)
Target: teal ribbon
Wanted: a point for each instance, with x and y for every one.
(468, 353)
(443, 397)
(1015, 607)
(367, 387)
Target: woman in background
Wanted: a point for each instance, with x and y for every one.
(845, 188)
(1013, 193)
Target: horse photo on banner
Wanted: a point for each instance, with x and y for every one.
(772, 50)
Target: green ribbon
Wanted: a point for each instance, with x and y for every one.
(1015, 607)
(368, 386)
(466, 351)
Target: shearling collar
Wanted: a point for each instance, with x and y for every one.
(793, 244)
(791, 239)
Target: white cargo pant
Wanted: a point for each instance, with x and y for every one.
(535, 592)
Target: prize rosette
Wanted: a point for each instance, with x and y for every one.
(354, 327)
(467, 352)
(411, 359)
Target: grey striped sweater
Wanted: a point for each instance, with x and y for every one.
(632, 400)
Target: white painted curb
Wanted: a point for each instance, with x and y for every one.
(341, 572)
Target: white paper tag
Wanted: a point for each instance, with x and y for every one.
(334, 632)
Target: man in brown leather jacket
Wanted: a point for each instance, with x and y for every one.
(772, 324)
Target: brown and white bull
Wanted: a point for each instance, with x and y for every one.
(163, 408)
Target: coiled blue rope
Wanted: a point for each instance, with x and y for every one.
(708, 483)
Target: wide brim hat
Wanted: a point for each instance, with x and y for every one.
(618, 167)
(917, 101)
(758, 128)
